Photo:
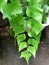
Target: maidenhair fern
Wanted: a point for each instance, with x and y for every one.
(25, 18)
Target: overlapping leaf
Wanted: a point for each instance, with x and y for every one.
(35, 25)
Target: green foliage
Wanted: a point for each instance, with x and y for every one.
(25, 18)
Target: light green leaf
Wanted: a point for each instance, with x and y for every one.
(25, 55)
(18, 30)
(22, 46)
(11, 9)
(33, 42)
(21, 38)
(32, 50)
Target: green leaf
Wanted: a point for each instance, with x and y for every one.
(11, 9)
(31, 33)
(2, 2)
(35, 25)
(25, 55)
(32, 50)
(16, 21)
(31, 12)
(33, 42)
(22, 46)
(21, 38)
(18, 30)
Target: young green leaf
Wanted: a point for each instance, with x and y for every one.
(18, 30)
(32, 33)
(33, 42)
(32, 50)
(25, 55)
(22, 45)
(21, 38)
